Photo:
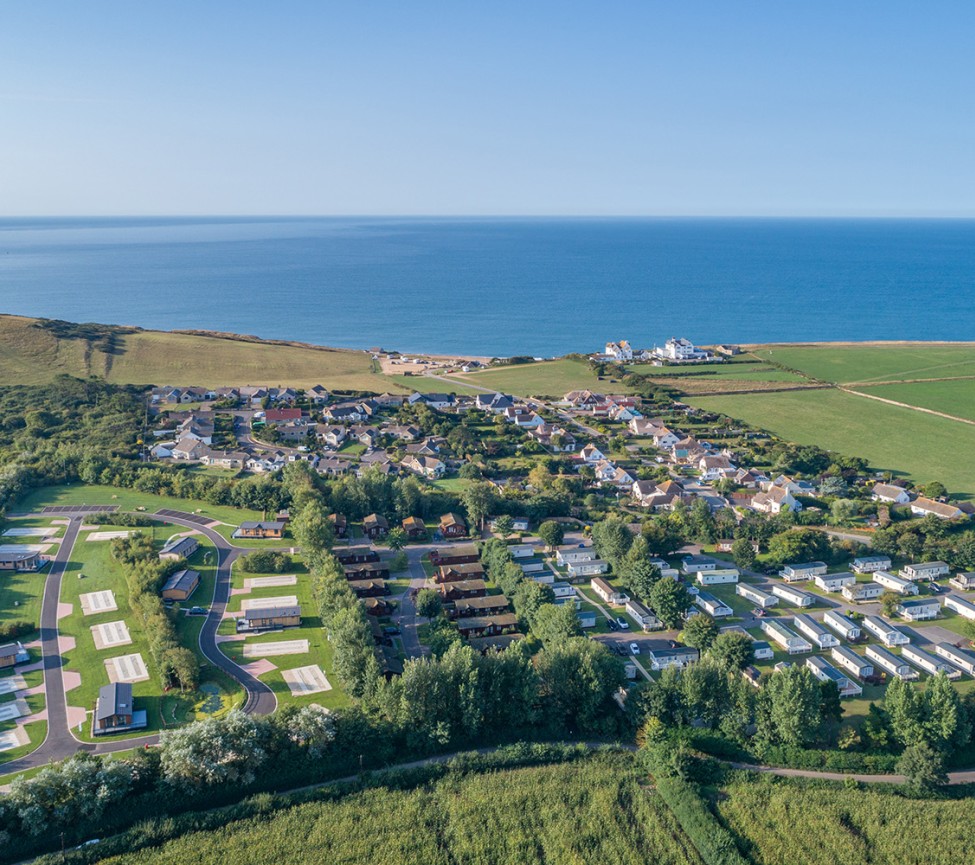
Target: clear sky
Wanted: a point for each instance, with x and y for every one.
(738, 107)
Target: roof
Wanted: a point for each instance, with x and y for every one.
(273, 524)
(178, 545)
(487, 602)
(940, 509)
(451, 519)
(271, 613)
(11, 650)
(114, 699)
(185, 580)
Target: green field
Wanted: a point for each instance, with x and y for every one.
(732, 371)
(955, 397)
(906, 442)
(429, 384)
(547, 378)
(790, 822)
(590, 812)
(874, 363)
(32, 355)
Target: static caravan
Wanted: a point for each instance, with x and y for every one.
(926, 571)
(808, 626)
(887, 634)
(695, 564)
(564, 555)
(890, 662)
(795, 597)
(646, 617)
(587, 568)
(681, 657)
(845, 627)
(964, 659)
(712, 605)
(717, 576)
(869, 564)
(788, 640)
(852, 662)
(861, 593)
(918, 611)
(964, 582)
(806, 571)
(826, 672)
(757, 596)
(929, 663)
(894, 583)
(762, 651)
(834, 582)
(607, 592)
(665, 569)
(960, 605)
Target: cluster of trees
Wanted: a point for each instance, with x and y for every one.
(144, 576)
(928, 538)
(265, 562)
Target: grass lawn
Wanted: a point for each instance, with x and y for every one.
(547, 378)
(903, 441)
(20, 596)
(864, 363)
(428, 384)
(955, 397)
(35, 703)
(452, 485)
(128, 500)
(352, 448)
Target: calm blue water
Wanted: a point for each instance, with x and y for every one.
(500, 286)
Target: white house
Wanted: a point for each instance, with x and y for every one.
(964, 659)
(587, 568)
(859, 593)
(775, 500)
(942, 510)
(961, 606)
(695, 564)
(890, 662)
(806, 571)
(845, 627)
(869, 564)
(756, 595)
(564, 555)
(894, 583)
(619, 350)
(788, 640)
(591, 454)
(925, 571)
(679, 349)
(645, 616)
(887, 634)
(713, 468)
(680, 657)
(717, 576)
(834, 582)
(890, 494)
(919, 610)
(929, 663)
(796, 597)
(853, 662)
(713, 606)
(826, 672)
(607, 592)
(810, 628)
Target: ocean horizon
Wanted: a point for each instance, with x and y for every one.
(502, 286)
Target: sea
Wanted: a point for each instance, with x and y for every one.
(500, 286)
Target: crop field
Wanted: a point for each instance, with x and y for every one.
(789, 822)
(955, 397)
(546, 378)
(906, 442)
(32, 355)
(874, 363)
(593, 811)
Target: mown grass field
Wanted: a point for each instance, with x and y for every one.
(955, 397)
(546, 378)
(904, 441)
(31, 355)
(590, 812)
(789, 822)
(876, 363)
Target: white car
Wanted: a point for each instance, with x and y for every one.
(635, 648)
(624, 625)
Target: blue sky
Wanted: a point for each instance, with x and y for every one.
(758, 107)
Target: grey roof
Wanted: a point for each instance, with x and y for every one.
(185, 580)
(10, 650)
(271, 612)
(273, 524)
(113, 699)
(180, 545)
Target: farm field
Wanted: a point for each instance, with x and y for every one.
(790, 822)
(734, 371)
(429, 384)
(33, 355)
(955, 397)
(906, 442)
(546, 378)
(591, 811)
(874, 363)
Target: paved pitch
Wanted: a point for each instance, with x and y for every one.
(127, 668)
(98, 602)
(111, 634)
(268, 603)
(270, 582)
(282, 647)
(306, 680)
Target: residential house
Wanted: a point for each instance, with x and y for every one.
(942, 510)
(224, 459)
(609, 473)
(774, 501)
(788, 640)
(860, 593)
(798, 573)
(605, 591)
(619, 351)
(812, 629)
(890, 494)
(853, 662)
(894, 583)
(452, 526)
(591, 454)
(407, 432)
(890, 662)
(271, 529)
(317, 395)
(583, 399)
(714, 607)
(869, 564)
(680, 350)
(375, 526)
(756, 595)
(436, 401)
(834, 582)
(716, 467)
(886, 633)
(795, 597)
(681, 657)
(189, 449)
(333, 467)
(333, 436)
(925, 571)
(495, 402)
(179, 586)
(826, 672)
(844, 626)
(115, 710)
(428, 467)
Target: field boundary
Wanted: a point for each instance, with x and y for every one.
(907, 405)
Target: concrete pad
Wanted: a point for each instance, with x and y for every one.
(306, 680)
(231, 638)
(111, 634)
(269, 582)
(127, 668)
(29, 668)
(239, 592)
(263, 603)
(259, 668)
(76, 716)
(11, 711)
(24, 548)
(71, 680)
(60, 522)
(270, 649)
(65, 610)
(66, 643)
(98, 602)
(30, 692)
(109, 536)
(27, 532)
(37, 716)
(10, 684)
(15, 738)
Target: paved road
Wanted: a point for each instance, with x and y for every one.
(407, 617)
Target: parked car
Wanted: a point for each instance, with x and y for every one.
(612, 624)
(197, 611)
(759, 613)
(635, 648)
(623, 624)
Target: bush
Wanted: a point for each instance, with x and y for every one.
(265, 562)
(14, 630)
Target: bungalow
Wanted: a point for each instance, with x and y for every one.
(844, 626)
(189, 449)
(869, 564)
(814, 631)
(12, 654)
(454, 573)
(797, 573)
(180, 585)
(452, 526)
(713, 468)
(834, 582)
(925, 571)
(894, 583)
(463, 589)
(646, 618)
(487, 605)
(796, 597)
(964, 659)
(607, 592)
(317, 395)
(487, 626)
(587, 567)
(428, 467)
(178, 548)
(890, 662)
(964, 581)
(406, 432)
(714, 607)
(269, 618)
(929, 663)
(859, 593)
(696, 564)
(375, 526)
(414, 527)
(756, 595)
(366, 571)
(498, 643)
(248, 529)
(943, 510)
(774, 501)
(369, 588)
(377, 607)
(852, 661)
(826, 672)
(717, 576)
(890, 494)
(355, 555)
(436, 401)
(225, 459)
(461, 554)
(115, 710)
(495, 402)
(920, 610)
(681, 657)
(333, 467)
(591, 454)
(340, 524)
(886, 633)
(963, 607)
(26, 560)
(788, 640)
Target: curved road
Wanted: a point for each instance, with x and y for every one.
(60, 742)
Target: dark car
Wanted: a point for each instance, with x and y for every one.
(612, 624)
(197, 611)
(391, 630)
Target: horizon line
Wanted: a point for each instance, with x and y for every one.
(472, 216)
